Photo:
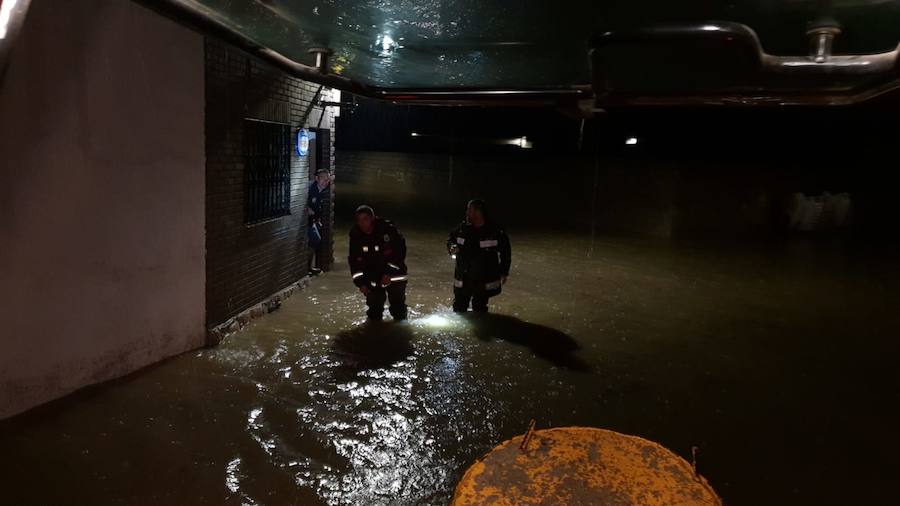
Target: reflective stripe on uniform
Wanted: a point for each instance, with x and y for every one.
(376, 248)
(373, 283)
(357, 274)
(493, 285)
(399, 278)
(489, 243)
(393, 265)
(457, 283)
(365, 249)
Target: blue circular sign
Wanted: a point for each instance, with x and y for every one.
(302, 142)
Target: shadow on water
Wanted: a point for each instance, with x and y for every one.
(372, 345)
(547, 343)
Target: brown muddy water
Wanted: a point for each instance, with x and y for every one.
(778, 361)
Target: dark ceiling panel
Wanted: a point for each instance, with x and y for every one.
(524, 44)
(562, 53)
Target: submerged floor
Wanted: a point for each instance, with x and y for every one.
(777, 361)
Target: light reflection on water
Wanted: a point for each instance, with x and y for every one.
(310, 405)
(385, 402)
(645, 343)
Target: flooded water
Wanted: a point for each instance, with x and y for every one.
(778, 362)
(776, 359)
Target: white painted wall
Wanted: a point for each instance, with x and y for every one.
(101, 198)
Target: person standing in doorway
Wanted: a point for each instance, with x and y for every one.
(483, 257)
(378, 263)
(319, 191)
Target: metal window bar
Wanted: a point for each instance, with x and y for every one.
(267, 170)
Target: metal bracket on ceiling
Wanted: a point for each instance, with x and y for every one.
(821, 61)
(821, 39)
(811, 78)
(321, 54)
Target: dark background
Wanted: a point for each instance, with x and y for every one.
(705, 167)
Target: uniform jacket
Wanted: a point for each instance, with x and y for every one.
(484, 257)
(315, 199)
(383, 252)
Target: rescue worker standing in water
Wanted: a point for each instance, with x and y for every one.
(317, 194)
(482, 253)
(378, 263)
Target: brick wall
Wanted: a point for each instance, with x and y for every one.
(247, 263)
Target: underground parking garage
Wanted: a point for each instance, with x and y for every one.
(703, 263)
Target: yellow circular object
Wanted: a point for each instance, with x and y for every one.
(582, 466)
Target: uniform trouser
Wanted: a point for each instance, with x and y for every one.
(315, 241)
(395, 293)
(462, 297)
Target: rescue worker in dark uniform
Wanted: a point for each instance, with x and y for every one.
(482, 252)
(319, 192)
(378, 263)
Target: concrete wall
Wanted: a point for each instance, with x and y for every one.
(101, 198)
(247, 263)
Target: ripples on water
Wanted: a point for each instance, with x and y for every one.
(377, 413)
(731, 350)
(667, 344)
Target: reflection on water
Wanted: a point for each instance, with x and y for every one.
(737, 350)
(545, 342)
(385, 408)
(373, 345)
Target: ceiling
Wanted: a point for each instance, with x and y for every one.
(390, 48)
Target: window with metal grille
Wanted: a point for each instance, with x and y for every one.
(267, 170)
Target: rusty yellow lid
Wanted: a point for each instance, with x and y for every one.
(582, 466)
